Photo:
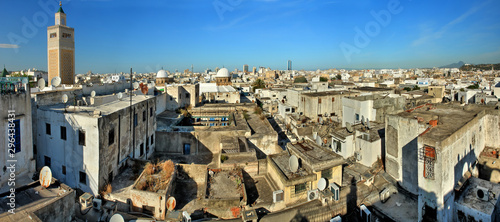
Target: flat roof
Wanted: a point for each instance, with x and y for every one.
(282, 161)
(450, 118)
(105, 109)
(32, 197)
(317, 157)
(469, 197)
(372, 89)
(329, 93)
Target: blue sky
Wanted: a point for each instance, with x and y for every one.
(147, 35)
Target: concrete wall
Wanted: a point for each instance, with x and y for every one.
(25, 165)
(401, 150)
(454, 156)
(60, 209)
(370, 151)
(347, 146)
(351, 107)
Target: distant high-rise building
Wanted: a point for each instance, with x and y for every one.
(245, 68)
(61, 49)
(254, 70)
(217, 69)
(289, 65)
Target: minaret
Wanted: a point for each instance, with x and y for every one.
(61, 49)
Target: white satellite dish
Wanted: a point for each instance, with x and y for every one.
(56, 81)
(25, 80)
(41, 84)
(322, 184)
(92, 94)
(135, 85)
(367, 123)
(363, 120)
(293, 162)
(64, 98)
(348, 126)
(120, 95)
(77, 80)
(45, 176)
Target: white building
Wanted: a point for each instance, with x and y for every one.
(16, 120)
(85, 146)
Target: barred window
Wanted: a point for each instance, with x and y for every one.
(429, 158)
(299, 188)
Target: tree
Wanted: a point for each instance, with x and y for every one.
(338, 77)
(416, 87)
(258, 84)
(300, 79)
(474, 86)
(323, 79)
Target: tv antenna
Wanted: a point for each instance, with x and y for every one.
(348, 126)
(41, 84)
(293, 163)
(45, 177)
(56, 81)
(322, 183)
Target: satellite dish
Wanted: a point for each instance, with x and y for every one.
(293, 162)
(367, 123)
(56, 81)
(135, 85)
(77, 80)
(120, 95)
(64, 98)
(92, 94)
(171, 202)
(41, 84)
(25, 80)
(322, 184)
(348, 126)
(45, 176)
(363, 120)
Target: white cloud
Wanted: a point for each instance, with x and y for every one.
(9, 46)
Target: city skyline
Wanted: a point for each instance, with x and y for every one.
(147, 36)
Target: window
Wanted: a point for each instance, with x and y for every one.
(299, 188)
(63, 132)
(111, 136)
(83, 178)
(187, 149)
(53, 35)
(17, 136)
(47, 161)
(333, 99)
(66, 35)
(144, 116)
(357, 117)
(135, 119)
(170, 98)
(47, 128)
(81, 137)
(319, 100)
(187, 95)
(326, 173)
(151, 111)
(34, 149)
(63, 170)
(429, 158)
(141, 149)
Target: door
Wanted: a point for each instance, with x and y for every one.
(187, 149)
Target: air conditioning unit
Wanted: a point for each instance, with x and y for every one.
(312, 194)
(358, 156)
(336, 191)
(278, 196)
(365, 214)
(97, 204)
(384, 195)
(336, 219)
(482, 193)
(186, 217)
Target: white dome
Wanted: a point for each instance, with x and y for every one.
(223, 73)
(161, 74)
